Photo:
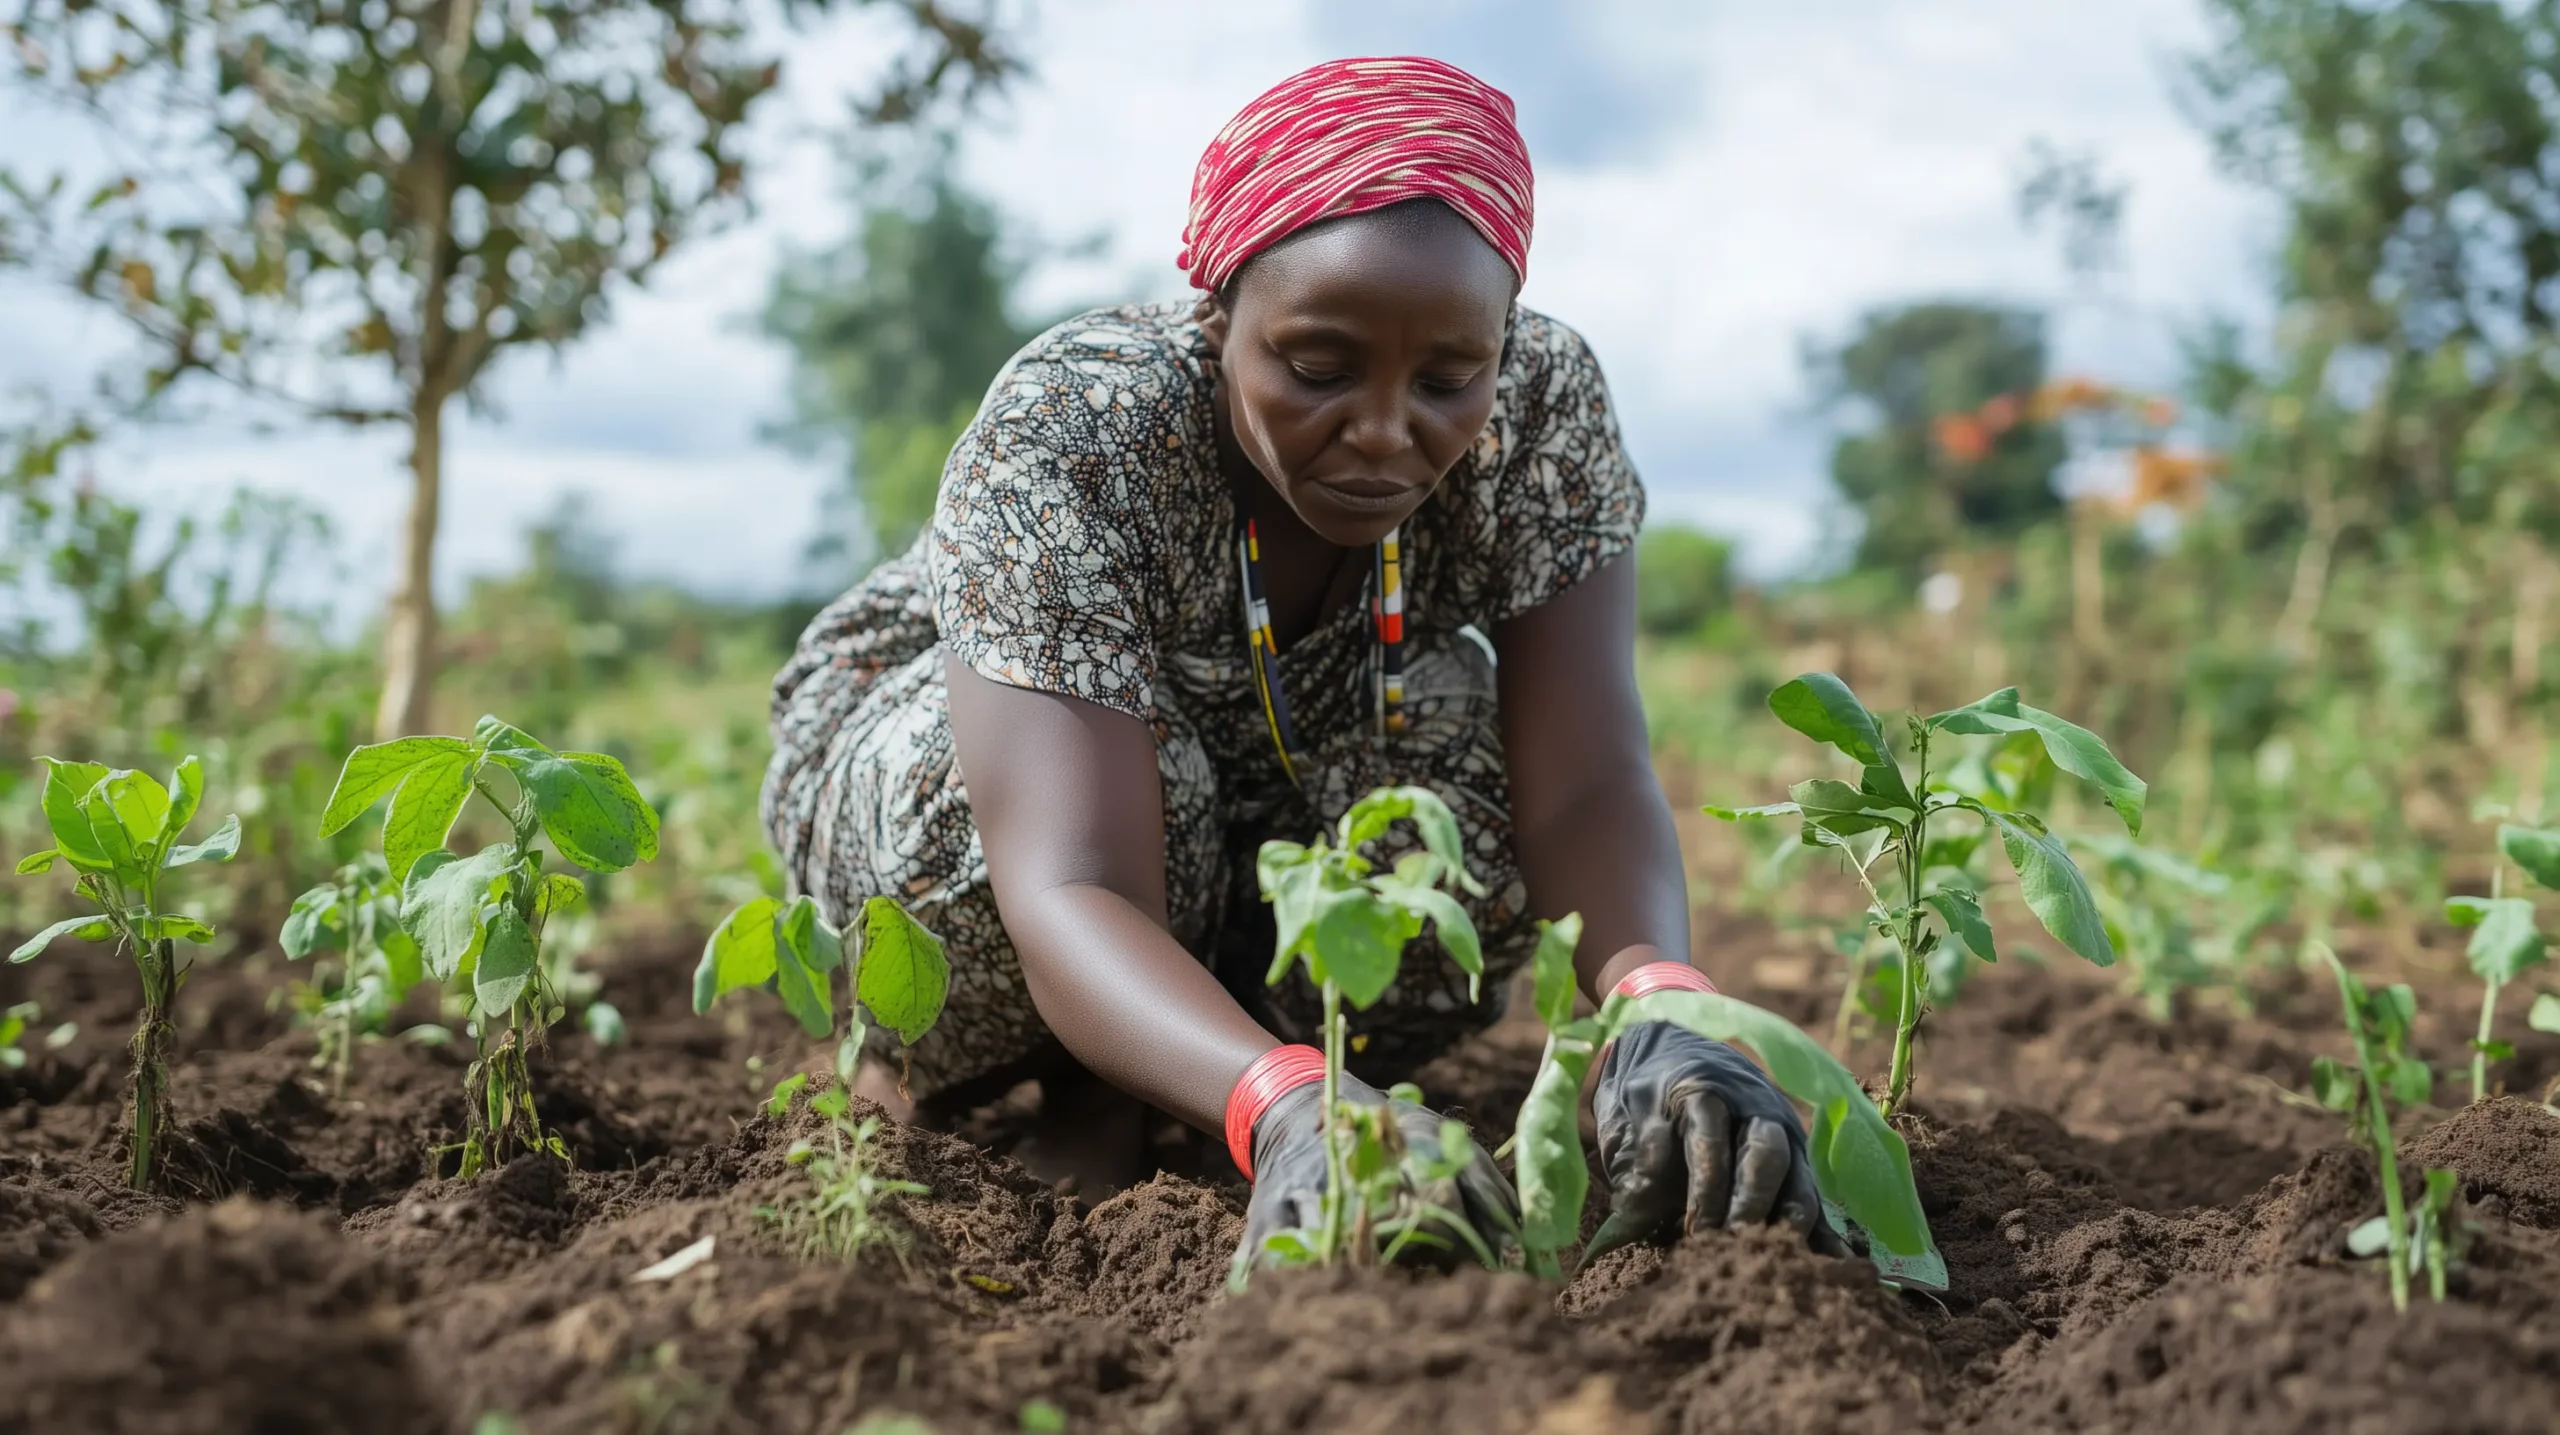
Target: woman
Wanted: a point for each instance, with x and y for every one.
(1205, 574)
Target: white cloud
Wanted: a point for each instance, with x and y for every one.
(1836, 154)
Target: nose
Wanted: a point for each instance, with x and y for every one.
(1380, 424)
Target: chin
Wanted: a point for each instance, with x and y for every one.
(1353, 524)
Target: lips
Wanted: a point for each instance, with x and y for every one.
(1370, 494)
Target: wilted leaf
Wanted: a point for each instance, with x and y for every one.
(1844, 810)
(1821, 707)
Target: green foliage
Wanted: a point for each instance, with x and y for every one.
(789, 949)
(1905, 366)
(2383, 1077)
(842, 1213)
(1683, 578)
(13, 1027)
(1348, 924)
(119, 831)
(1890, 813)
(355, 915)
(1859, 1162)
(2506, 939)
(478, 921)
(895, 334)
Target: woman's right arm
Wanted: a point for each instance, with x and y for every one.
(1070, 807)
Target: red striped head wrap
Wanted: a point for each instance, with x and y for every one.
(1352, 136)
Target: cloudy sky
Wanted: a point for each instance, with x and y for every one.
(1717, 185)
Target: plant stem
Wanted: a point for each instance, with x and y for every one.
(2394, 1213)
(1914, 839)
(2480, 1046)
(1336, 1180)
(157, 964)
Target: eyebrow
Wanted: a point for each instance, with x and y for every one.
(1318, 331)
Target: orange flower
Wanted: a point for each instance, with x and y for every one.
(1961, 437)
(2001, 414)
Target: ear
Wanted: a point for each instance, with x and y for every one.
(1212, 317)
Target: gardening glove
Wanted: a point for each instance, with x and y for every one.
(1289, 1168)
(1693, 1136)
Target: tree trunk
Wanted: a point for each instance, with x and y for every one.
(409, 638)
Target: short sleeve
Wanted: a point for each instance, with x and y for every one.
(1041, 566)
(1565, 499)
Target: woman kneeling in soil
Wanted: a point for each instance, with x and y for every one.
(1205, 574)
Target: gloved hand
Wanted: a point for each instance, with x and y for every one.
(1692, 1136)
(1289, 1168)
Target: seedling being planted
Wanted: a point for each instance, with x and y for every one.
(356, 915)
(1859, 1162)
(840, 1215)
(2506, 941)
(791, 950)
(2385, 1076)
(1349, 923)
(479, 919)
(1898, 814)
(119, 829)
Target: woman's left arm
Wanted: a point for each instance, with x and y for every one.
(1693, 1135)
(1592, 825)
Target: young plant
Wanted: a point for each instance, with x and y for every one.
(2148, 898)
(1349, 923)
(2384, 1076)
(1891, 813)
(2506, 941)
(1860, 1163)
(13, 1028)
(900, 974)
(119, 830)
(479, 919)
(355, 914)
(840, 1215)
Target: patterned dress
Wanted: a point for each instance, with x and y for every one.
(1084, 544)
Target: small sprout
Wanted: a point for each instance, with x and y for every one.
(1040, 1417)
(119, 830)
(2506, 940)
(1889, 813)
(2385, 1076)
(356, 915)
(1348, 924)
(13, 1025)
(478, 921)
(603, 1021)
(841, 1214)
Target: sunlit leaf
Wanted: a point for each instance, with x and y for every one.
(902, 977)
(590, 808)
(89, 929)
(374, 771)
(429, 798)
(740, 953)
(506, 963)
(447, 904)
(2054, 889)
(1821, 707)
(65, 785)
(1963, 916)
(1551, 968)
(222, 846)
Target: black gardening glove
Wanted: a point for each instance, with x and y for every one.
(1694, 1136)
(1289, 1168)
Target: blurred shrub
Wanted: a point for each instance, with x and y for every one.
(1683, 578)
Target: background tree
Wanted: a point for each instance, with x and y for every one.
(894, 334)
(354, 206)
(1904, 368)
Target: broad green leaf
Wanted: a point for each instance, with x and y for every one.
(591, 809)
(2054, 889)
(65, 785)
(1822, 708)
(506, 962)
(404, 964)
(38, 862)
(186, 795)
(503, 739)
(88, 929)
(1371, 816)
(1843, 810)
(1456, 931)
(222, 846)
(447, 905)
(372, 772)
(740, 953)
(2465, 911)
(172, 929)
(1357, 942)
(2545, 1013)
(106, 827)
(902, 977)
(1752, 814)
(1963, 916)
(2506, 944)
(1551, 967)
(2535, 849)
(807, 992)
(1975, 718)
(429, 798)
(316, 922)
(2073, 748)
(1546, 1152)
(558, 892)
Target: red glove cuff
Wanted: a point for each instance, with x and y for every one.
(1275, 1073)
(1663, 977)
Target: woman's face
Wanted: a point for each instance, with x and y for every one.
(1360, 359)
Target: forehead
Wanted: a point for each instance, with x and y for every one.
(1414, 262)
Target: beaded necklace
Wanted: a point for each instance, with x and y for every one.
(1386, 666)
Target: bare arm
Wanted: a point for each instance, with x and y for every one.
(1070, 806)
(1593, 828)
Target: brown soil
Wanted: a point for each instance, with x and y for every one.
(2144, 1225)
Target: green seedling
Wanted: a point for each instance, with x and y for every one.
(478, 920)
(841, 1215)
(356, 915)
(1859, 1162)
(2382, 1078)
(2506, 940)
(2147, 899)
(1348, 923)
(119, 830)
(790, 949)
(1897, 814)
(13, 1028)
